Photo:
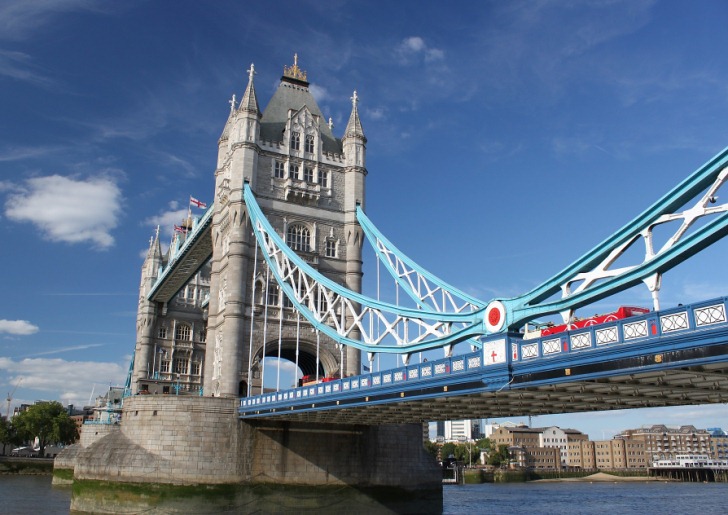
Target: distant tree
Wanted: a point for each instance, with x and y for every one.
(49, 422)
(447, 449)
(8, 434)
(432, 448)
(484, 444)
(499, 456)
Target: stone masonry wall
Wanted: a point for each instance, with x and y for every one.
(170, 439)
(327, 454)
(200, 440)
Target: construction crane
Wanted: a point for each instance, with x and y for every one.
(10, 398)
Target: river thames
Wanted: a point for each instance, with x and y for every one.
(32, 495)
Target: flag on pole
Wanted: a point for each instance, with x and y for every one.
(198, 203)
(181, 229)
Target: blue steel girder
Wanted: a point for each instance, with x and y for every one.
(674, 357)
(428, 291)
(186, 260)
(341, 313)
(593, 268)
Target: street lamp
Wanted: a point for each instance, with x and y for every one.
(176, 387)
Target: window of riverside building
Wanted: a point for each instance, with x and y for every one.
(330, 248)
(279, 170)
(298, 238)
(307, 174)
(183, 332)
(203, 335)
(164, 366)
(195, 368)
(309, 144)
(293, 169)
(324, 178)
(162, 332)
(295, 141)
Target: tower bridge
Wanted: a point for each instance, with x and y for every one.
(273, 269)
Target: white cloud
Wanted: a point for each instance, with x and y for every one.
(415, 46)
(19, 18)
(17, 327)
(19, 66)
(20, 153)
(167, 219)
(69, 381)
(69, 210)
(376, 113)
(319, 93)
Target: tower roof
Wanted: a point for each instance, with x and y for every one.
(250, 100)
(354, 128)
(293, 93)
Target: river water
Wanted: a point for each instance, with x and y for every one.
(32, 495)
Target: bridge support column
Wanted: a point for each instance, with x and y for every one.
(178, 453)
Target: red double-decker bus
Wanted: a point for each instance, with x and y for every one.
(622, 312)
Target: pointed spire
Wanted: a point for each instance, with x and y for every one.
(154, 254)
(228, 123)
(250, 101)
(354, 128)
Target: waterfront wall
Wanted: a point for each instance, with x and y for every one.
(171, 440)
(184, 440)
(329, 454)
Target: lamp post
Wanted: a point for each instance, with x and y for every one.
(176, 387)
(158, 372)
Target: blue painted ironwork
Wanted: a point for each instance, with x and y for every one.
(200, 227)
(696, 327)
(446, 323)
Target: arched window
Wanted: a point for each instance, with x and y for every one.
(183, 332)
(298, 238)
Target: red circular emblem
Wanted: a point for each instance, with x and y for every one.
(494, 316)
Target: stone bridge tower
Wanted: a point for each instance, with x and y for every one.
(308, 183)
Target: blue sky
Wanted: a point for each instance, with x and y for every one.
(504, 140)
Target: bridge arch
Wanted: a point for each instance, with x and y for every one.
(325, 362)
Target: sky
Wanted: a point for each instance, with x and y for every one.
(505, 139)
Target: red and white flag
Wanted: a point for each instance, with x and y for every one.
(198, 203)
(177, 228)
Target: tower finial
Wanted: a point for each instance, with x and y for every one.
(232, 103)
(251, 71)
(354, 99)
(294, 72)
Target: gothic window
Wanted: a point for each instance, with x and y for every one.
(309, 143)
(294, 171)
(295, 141)
(298, 238)
(203, 334)
(272, 294)
(183, 332)
(180, 366)
(330, 248)
(164, 366)
(323, 178)
(195, 368)
(307, 174)
(280, 170)
(162, 332)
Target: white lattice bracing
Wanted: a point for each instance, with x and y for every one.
(705, 206)
(376, 328)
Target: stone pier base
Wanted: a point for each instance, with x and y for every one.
(181, 454)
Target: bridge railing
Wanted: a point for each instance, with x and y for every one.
(445, 369)
(629, 330)
(501, 356)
